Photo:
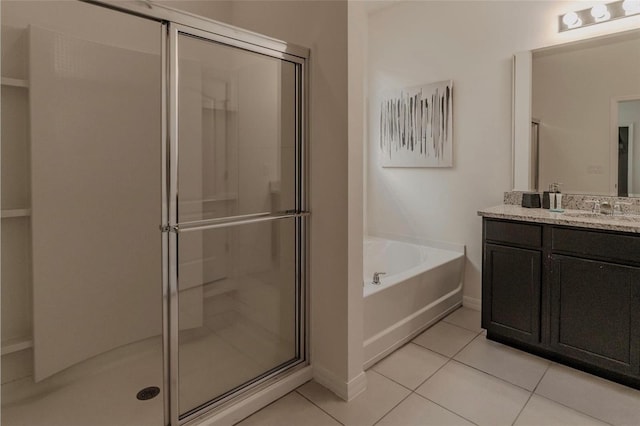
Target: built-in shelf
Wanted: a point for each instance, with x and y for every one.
(7, 213)
(14, 82)
(16, 345)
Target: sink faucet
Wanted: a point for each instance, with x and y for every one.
(596, 206)
(606, 208)
(617, 207)
(376, 277)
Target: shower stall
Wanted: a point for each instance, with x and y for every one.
(154, 214)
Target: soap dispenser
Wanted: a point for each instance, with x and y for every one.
(546, 203)
(559, 200)
(555, 198)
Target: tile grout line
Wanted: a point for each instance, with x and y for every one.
(413, 391)
(531, 392)
(316, 405)
(422, 382)
(448, 361)
(522, 409)
(496, 377)
(392, 408)
(445, 320)
(456, 353)
(531, 395)
(468, 343)
(573, 409)
(542, 377)
(560, 403)
(411, 342)
(500, 378)
(441, 367)
(463, 327)
(451, 358)
(434, 373)
(447, 409)
(393, 380)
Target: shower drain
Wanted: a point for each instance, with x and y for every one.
(148, 393)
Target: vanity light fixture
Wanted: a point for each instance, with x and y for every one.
(631, 7)
(600, 13)
(572, 20)
(597, 14)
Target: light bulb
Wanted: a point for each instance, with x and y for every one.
(600, 12)
(631, 6)
(571, 20)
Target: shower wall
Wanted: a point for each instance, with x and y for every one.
(18, 105)
(94, 191)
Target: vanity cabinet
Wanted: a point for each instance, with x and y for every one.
(512, 277)
(594, 312)
(569, 294)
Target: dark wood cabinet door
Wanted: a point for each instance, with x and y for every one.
(511, 292)
(595, 313)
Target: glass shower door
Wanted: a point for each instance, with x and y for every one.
(235, 213)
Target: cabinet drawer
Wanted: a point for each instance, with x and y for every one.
(522, 234)
(615, 247)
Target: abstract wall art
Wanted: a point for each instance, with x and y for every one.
(416, 126)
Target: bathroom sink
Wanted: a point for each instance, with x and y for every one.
(589, 215)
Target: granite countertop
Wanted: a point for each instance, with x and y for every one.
(610, 223)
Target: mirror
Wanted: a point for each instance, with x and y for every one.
(579, 121)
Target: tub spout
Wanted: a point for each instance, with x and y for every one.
(376, 277)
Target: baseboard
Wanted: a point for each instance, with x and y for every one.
(356, 386)
(345, 390)
(255, 402)
(472, 303)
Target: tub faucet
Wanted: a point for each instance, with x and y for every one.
(376, 277)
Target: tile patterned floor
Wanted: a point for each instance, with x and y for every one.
(452, 375)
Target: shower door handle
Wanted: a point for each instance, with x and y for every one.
(229, 222)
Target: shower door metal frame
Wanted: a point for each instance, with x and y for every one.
(173, 227)
(175, 22)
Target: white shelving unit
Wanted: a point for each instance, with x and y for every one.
(16, 345)
(9, 213)
(15, 82)
(16, 212)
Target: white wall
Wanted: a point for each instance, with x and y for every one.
(472, 43)
(357, 46)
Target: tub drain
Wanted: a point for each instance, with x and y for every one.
(148, 393)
